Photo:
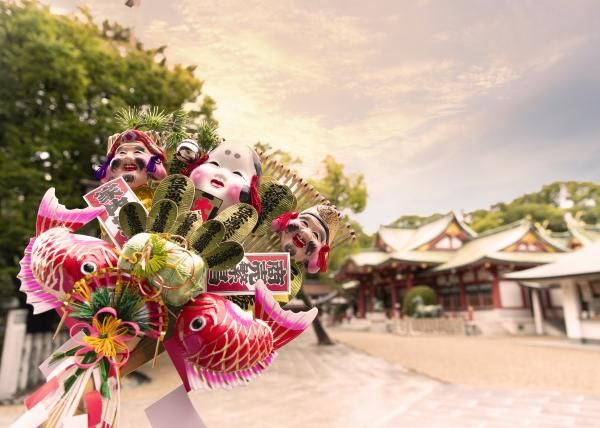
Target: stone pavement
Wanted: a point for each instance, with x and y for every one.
(309, 386)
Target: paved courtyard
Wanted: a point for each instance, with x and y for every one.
(339, 386)
(515, 362)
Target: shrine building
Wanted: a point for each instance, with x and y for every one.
(467, 270)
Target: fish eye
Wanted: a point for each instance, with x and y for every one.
(197, 324)
(88, 267)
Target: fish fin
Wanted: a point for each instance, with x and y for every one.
(52, 213)
(285, 325)
(200, 378)
(37, 296)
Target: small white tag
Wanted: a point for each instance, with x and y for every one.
(177, 402)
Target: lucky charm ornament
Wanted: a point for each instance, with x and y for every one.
(117, 303)
(227, 175)
(136, 157)
(308, 236)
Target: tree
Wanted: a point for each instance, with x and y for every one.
(549, 205)
(62, 78)
(343, 190)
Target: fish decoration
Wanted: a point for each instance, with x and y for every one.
(56, 258)
(224, 346)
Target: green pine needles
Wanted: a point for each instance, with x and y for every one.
(174, 127)
(125, 299)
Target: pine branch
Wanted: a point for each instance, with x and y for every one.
(155, 119)
(129, 118)
(208, 138)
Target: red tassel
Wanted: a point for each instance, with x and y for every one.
(281, 222)
(188, 169)
(323, 252)
(254, 199)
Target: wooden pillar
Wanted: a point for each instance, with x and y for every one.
(463, 294)
(371, 301)
(538, 315)
(496, 288)
(524, 297)
(361, 301)
(409, 280)
(571, 308)
(394, 295)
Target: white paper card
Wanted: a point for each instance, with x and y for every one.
(177, 402)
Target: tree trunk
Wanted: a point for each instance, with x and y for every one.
(322, 336)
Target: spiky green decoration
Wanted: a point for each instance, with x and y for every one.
(174, 124)
(207, 137)
(125, 300)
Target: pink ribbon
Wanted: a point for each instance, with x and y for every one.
(92, 331)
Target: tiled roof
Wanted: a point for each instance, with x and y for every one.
(369, 258)
(489, 246)
(410, 238)
(586, 234)
(581, 262)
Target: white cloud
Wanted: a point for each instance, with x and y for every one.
(415, 96)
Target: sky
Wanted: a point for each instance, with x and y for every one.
(440, 105)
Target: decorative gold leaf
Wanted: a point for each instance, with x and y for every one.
(276, 199)
(207, 236)
(187, 223)
(238, 220)
(162, 216)
(132, 218)
(177, 188)
(224, 257)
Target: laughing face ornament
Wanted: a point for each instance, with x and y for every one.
(135, 157)
(308, 235)
(225, 176)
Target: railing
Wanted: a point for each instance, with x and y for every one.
(22, 353)
(415, 326)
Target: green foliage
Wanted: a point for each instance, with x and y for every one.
(173, 126)
(414, 220)
(543, 207)
(208, 137)
(62, 79)
(343, 190)
(424, 291)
